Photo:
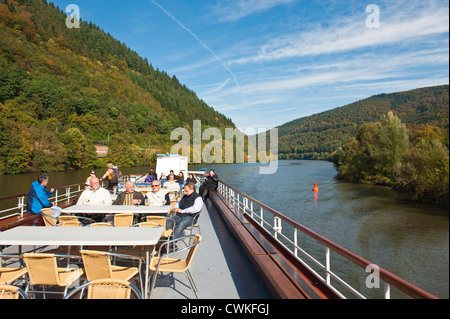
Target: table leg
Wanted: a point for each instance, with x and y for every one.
(147, 269)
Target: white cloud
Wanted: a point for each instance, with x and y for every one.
(343, 36)
(232, 10)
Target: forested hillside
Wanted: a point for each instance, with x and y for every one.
(318, 136)
(63, 90)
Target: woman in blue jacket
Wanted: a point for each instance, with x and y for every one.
(38, 197)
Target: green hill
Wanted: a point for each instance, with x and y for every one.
(63, 90)
(318, 136)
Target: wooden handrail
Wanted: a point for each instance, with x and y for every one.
(390, 278)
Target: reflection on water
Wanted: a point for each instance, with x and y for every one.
(408, 239)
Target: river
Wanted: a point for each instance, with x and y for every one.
(409, 239)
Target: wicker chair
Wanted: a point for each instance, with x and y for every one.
(73, 221)
(48, 218)
(123, 220)
(100, 225)
(97, 265)
(11, 292)
(147, 224)
(107, 289)
(43, 270)
(9, 275)
(166, 263)
(161, 220)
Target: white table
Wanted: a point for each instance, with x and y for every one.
(85, 236)
(116, 209)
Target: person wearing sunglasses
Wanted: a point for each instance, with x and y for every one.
(158, 196)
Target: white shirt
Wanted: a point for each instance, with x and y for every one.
(198, 206)
(100, 196)
(157, 199)
(169, 184)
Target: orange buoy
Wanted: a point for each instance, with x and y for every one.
(315, 189)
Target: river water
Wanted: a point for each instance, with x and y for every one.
(409, 239)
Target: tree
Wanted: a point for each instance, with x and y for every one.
(371, 156)
(49, 154)
(80, 153)
(390, 144)
(11, 81)
(424, 173)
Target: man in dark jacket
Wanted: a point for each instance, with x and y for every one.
(130, 197)
(38, 197)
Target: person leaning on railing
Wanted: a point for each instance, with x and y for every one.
(38, 197)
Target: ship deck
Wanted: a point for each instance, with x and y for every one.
(220, 268)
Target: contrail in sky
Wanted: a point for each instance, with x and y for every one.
(199, 41)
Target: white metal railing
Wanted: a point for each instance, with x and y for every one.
(62, 194)
(272, 222)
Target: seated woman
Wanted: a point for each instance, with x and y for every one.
(211, 182)
(180, 179)
(171, 182)
(191, 179)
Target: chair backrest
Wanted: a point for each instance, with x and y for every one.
(190, 256)
(100, 225)
(195, 220)
(48, 218)
(160, 220)
(148, 224)
(42, 269)
(193, 249)
(11, 292)
(172, 197)
(123, 220)
(69, 221)
(97, 265)
(107, 289)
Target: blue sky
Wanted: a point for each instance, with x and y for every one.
(263, 63)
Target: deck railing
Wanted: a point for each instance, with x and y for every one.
(62, 194)
(287, 232)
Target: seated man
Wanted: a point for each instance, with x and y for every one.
(38, 197)
(129, 197)
(95, 195)
(157, 196)
(190, 205)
